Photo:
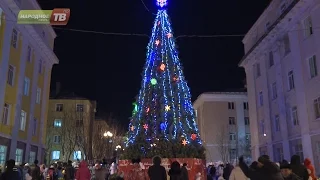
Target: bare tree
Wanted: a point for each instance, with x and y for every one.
(99, 144)
(67, 130)
(223, 143)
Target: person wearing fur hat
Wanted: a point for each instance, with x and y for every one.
(287, 173)
(266, 169)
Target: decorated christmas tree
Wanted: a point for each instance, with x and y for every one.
(163, 120)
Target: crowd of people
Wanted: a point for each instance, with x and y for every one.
(58, 171)
(264, 169)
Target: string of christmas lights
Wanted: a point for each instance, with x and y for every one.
(163, 109)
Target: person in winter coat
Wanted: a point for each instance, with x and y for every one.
(137, 173)
(69, 171)
(175, 171)
(10, 173)
(297, 167)
(227, 171)
(266, 170)
(287, 173)
(83, 173)
(211, 173)
(35, 171)
(237, 174)
(310, 167)
(156, 171)
(100, 173)
(28, 176)
(184, 171)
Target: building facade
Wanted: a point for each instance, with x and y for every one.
(282, 66)
(70, 128)
(26, 60)
(223, 122)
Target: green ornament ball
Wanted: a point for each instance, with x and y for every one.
(153, 81)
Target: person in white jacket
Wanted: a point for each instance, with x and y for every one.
(237, 174)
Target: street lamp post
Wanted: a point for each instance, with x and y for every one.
(108, 135)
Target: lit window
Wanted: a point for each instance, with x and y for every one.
(3, 155)
(55, 155)
(19, 156)
(26, 86)
(23, 120)
(77, 155)
(32, 157)
(57, 123)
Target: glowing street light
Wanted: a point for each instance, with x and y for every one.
(107, 134)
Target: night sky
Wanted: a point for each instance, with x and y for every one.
(108, 68)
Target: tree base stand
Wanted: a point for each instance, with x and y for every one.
(194, 166)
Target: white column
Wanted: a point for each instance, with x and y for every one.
(4, 64)
(266, 106)
(281, 103)
(33, 100)
(301, 95)
(20, 85)
(253, 113)
(44, 104)
(241, 128)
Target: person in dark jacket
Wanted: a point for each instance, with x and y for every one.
(156, 171)
(287, 173)
(297, 167)
(267, 170)
(211, 174)
(184, 171)
(10, 173)
(35, 171)
(227, 171)
(70, 171)
(175, 171)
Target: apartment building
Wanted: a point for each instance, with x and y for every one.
(223, 121)
(70, 128)
(282, 66)
(26, 59)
